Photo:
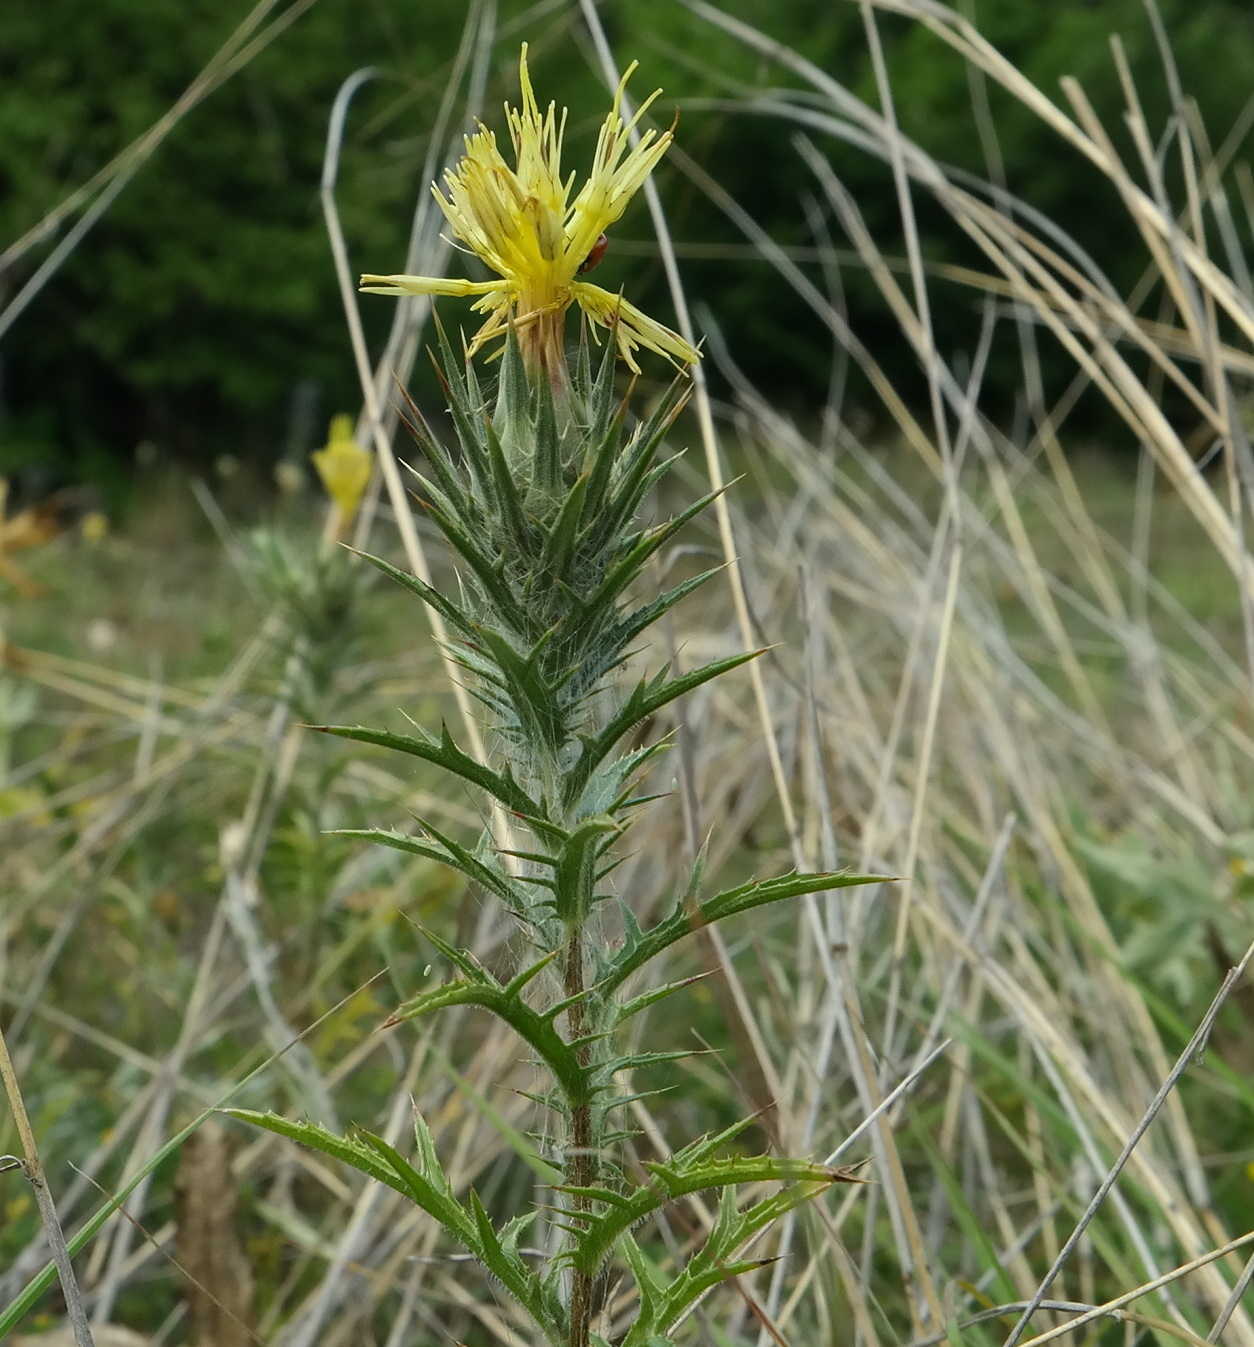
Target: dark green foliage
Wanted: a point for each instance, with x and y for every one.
(780, 342)
(206, 293)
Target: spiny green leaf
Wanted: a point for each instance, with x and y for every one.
(692, 1284)
(465, 405)
(534, 701)
(599, 603)
(649, 1283)
(434, 452)
(758, 893)
(635, 1060)
(692, 890)
(714, 1262)
(430, 1189)
(609, 789)
(602, 451)
(622, 1101)
(574, 876)
(488, 570)
(479, 988)
(457, 617)
(563, 533)
(444, 753)
(633, 1007)
(646, 699)
(547, 450)
(459, 958)
(455, 505)
(513, 396)
(475, 401)
(696, 1152)
(601, 403)
(515, 985)
(519, 1280)
(583, 372)
(448, 852)
(513, 518)
(613, 646)
(474, 1229)
(637, 472)
(624, 501)
(371, 1156)
(358, 1156)
(743, 898)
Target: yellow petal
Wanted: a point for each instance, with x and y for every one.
(425, 285)
(632, 327)
(344, 467)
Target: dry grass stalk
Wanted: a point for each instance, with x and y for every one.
(207, 1242)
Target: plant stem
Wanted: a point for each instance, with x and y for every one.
(34, 1171)
(580, 1155)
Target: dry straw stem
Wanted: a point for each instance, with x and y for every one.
(34, 1172)
(1190, 799)
(1019, 985)
(1196, 1044)
(115, 811)
(113, 1262)
(30, 1261)
(1024, 260)
(234, 725)
(243, 846)
(402, 344)
(1113, 1308)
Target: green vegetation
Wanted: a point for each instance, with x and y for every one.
(204, 298)
(1003, 667)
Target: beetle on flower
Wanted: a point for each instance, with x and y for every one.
(523, 224)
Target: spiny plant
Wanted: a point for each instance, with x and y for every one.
(541, 505)
(317, 590)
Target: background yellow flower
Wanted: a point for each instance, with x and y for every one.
(344, 467)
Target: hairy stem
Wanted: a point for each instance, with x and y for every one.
(581, 1164)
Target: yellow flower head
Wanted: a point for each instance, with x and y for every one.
(344, 467)
(524, 225)
(94, 526)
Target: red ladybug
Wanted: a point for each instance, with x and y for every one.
(594, 258)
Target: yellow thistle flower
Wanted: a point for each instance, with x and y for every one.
(94, 526)
(523, 224)
(344, 467)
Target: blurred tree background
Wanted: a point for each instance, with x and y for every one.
(201, 314)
